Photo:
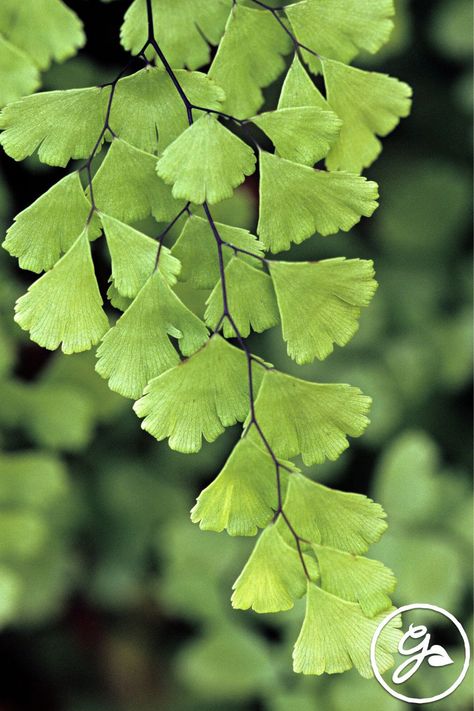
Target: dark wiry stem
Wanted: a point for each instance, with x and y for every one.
(105, 128)
(161, 237)
(253, 421)
(296, 43)
(226, 315)
(151, 41)
(244, 251)
(221, 114)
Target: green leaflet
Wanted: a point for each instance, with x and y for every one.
(196, 249)
(45, 30)
(19, 74)
(250, 297)
(299, 89)
(116, 299)
(148, 112)
(302, 134)
(127, 187)
(348, 522)
(370, 104)
(181, 28)
(243, 497)
(198, 398)
(64, 306)
(340, 28)
(315, 418)
(336, 636)
(259, 43)
(297, 201)
(60, 124)
(334, 289)
(273, 577)
(133, 256)
(356, 579)
(37, 240)
(138, 348)
(206, 162)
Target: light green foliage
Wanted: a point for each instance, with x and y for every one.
(297, 201)
(133, 256)
(127, 187)
(254, 37)
(32, 34)
(197, 251)
(64, 306)
(60, 124)
(211, 388)
(336, 635)
(299, 89)
(183, 28)
(38, 241)
(335, 289)
(169, 153)
(315, 418)
(341, 28)
(251, 300)
(302, 134)
(243, 497)
(147, 111)
(116, 299)
(19, 74)
(349, 522)
(45, 30)
(354, 578)
(138, 347)
(272, 578)
(370, 104)
(206, 162)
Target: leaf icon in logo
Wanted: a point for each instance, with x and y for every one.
(438, 656)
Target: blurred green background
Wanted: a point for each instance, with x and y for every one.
(110, 599)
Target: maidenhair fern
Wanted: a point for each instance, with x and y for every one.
(176, 142)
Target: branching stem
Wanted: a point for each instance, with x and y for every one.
(161, 237)
(244, 251)
(226, 314)
(295, 41)
(105, 128)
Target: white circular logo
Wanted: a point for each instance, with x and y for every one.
(421, 650)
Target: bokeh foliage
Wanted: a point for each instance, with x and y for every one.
(109, 597)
